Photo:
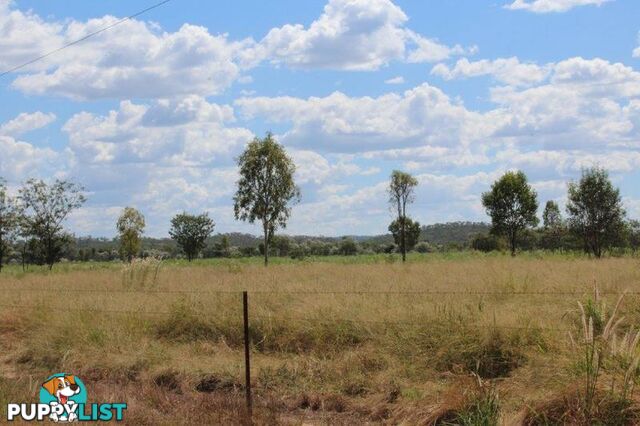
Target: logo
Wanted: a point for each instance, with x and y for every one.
(63, 399)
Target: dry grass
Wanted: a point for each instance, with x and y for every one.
(332, 342)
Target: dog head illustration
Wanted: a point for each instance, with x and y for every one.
(62, 387)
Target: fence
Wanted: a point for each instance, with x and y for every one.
(244, 299)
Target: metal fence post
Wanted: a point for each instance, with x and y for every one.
(247, 360)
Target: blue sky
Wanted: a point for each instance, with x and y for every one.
(152, 113)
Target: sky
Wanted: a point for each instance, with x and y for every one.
(153, 113)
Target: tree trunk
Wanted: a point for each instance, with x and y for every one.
(403, 240)
(266, 244)
(513, 243)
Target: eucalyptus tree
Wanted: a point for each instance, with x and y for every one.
(401, 193)
(46, 207)
(191, 232)
(266, 189)
(512, 205)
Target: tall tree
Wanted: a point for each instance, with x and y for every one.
(402, 192)
(512, 204)
(551, 237)
(46, 208)
(412, 232)
(266, 187)
(191, 232)
(130, 228)
(595, 210)
(8, 221)
(551, 216)
(633, 230)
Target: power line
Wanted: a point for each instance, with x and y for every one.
(46, 55)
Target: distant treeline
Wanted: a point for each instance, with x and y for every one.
(437, 237)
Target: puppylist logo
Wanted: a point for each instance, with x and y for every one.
(63, 399)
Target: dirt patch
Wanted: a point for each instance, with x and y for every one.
(211, 383)
(568, 408)
(168, 380)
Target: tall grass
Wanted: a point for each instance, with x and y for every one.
(342, 334)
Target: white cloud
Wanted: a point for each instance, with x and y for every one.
(133, 60)
(428, 50)
(353, 35)
(22, 160)
(338, 123)
(586, 103)
(636, 51)
(395, 80)
(505, 70)
(546, 6)
(188, 132)
(24, 36)
(350, 34)
(138, 60)
(26, 122)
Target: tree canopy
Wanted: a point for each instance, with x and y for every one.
(191, 232)
(412, 232)
(8, 221)
(512, 205)
(130, 228)
(402, 192)
(266, 188)
(46, 208)
(595, 210)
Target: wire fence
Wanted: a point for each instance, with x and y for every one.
(323, 292)
(260, 317)
(416, 322)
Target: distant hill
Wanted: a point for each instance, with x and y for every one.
(459, 233)
(453, 232)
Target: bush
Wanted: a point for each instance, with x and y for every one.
(424, 247)
(486, 243)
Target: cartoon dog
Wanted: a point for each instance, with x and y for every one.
(62, 388)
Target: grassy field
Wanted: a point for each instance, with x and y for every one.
(451, 338)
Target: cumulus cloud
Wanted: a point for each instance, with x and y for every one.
(24, 36)
(186, 132)
(26, 122)
(395, 80)
(586, 103)
(350, 34)
(504, 70)
(338, 123)
(139, 60)
(353, 35)
(22, 160)
(547, 6)
(134, 60)
(429, 50)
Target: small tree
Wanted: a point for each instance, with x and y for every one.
(191, 232)
(595, 210)
(8, 221)
(551, 217)
(130, 227)
(348, 247)
(46, 208)
(633, 230)
(402, 192)
(411, 230)
(512, 206)
(225, 246)
(551, 237)
(266, 187)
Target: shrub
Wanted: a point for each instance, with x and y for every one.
(424, 247)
